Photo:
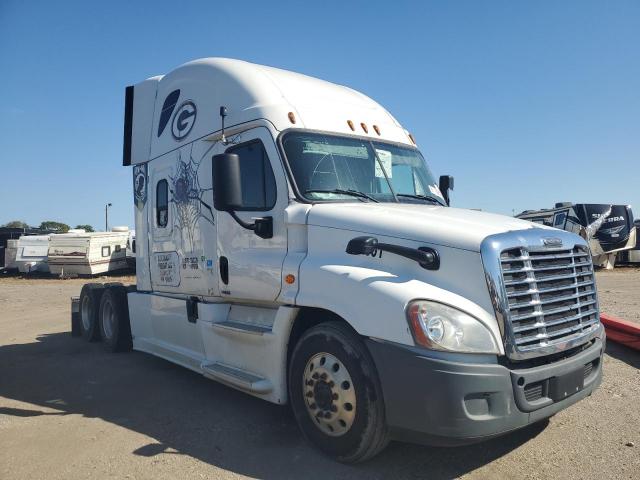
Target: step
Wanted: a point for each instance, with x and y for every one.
(237, 377)
(243, 327)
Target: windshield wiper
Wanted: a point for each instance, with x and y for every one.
(353, 193)
(420, 197)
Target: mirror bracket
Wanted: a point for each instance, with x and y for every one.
(262, 227)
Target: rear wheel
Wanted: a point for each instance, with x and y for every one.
(90, 296)
(115, 329)
(335, 394)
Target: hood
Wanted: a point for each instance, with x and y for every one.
(447, 226)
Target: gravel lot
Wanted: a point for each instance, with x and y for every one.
(619, 293)
(69, 410)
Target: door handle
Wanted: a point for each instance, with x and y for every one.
(224, 270)
(192, 309)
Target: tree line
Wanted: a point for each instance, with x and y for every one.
(49, 225)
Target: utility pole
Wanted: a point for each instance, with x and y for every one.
(106, 217)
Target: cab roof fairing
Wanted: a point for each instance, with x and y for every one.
(250, 92)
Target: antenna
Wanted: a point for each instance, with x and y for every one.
(223, 113)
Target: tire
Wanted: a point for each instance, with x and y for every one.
(348, 396)
(115, 329)
(90, 296)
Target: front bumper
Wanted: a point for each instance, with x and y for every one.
(454, 399)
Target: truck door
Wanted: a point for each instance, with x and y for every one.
(249, 266)
(181, 222)
(182, 245)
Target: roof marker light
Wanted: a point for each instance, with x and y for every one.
(364, 127)
(292, 118)
(350, 123)
(412, 139)
(375, 127)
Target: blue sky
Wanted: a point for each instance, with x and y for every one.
(525, 103)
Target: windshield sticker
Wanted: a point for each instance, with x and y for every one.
(385, 159)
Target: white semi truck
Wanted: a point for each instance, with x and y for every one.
(293, 243)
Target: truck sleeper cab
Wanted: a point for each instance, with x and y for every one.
(292, 243)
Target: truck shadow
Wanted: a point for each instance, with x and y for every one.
(187, 414)
(624, 354)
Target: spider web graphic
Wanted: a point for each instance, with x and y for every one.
(187, 200)
(187, 196)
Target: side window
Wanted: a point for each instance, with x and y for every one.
(258, 181)
(162, 203)
(106, 251)
(559, 219)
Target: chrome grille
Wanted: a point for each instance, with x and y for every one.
(550, 296)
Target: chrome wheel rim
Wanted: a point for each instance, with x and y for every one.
(329, 394)
(108, 319)
(85, 312)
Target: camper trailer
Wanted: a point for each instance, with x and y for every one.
(131, 249)
(31, 254)
(293, 243)
(8, 248)
(632, 256)
(10, 253)
(609, 229)
(88, 254)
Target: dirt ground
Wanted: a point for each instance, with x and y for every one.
(69, 410)
(619, 292)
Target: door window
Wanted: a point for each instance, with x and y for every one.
(258, 181)
(162, 203)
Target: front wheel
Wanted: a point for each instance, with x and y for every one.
(335, 394)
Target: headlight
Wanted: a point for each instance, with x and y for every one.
(441, 327)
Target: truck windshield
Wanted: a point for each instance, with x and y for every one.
(332, 168)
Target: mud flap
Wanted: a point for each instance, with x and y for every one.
(75, 317)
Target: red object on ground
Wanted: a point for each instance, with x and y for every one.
(621, 331)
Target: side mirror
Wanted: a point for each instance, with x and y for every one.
(227, 193)
(446, 184)
(227, 184)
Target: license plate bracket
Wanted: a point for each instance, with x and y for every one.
(566, 385)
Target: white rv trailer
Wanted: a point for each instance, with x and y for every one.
(31, 254)
(293, 244)
(88, 253)
(10, 253)
(131, 249)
